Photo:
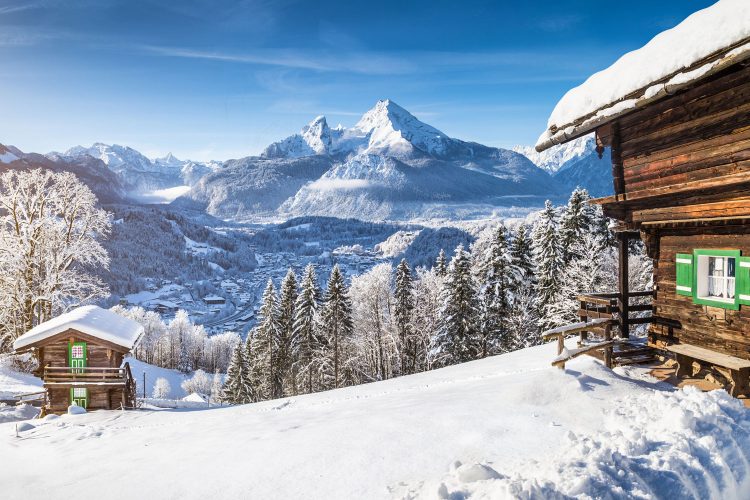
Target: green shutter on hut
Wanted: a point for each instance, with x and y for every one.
(684, 266)
(743, 281)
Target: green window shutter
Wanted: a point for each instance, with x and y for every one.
(743, 280)
(684, 266)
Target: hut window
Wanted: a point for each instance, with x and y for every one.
(716, 278)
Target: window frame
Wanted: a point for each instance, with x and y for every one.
(706, 301)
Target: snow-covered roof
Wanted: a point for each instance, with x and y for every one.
(91, 320)
(706, 42)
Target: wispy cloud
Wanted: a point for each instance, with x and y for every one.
(365, 63)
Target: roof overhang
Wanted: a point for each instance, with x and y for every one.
(655, 91)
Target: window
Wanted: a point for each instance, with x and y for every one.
(713, 277)
(79, 392)
(716, 278)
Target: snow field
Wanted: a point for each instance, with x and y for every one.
(503, 427)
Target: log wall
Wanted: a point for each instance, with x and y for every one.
(685, 184)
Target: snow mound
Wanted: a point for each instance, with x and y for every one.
(13, 413)
(74, 409)
(684, 444)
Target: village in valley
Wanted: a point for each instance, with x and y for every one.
(376, 309)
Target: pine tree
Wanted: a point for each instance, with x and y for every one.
(265, 347)
(237, 388)
(287, 304)
(522, 257)
(548, 258)
(458, 339)
(576, 221)
(441, 267)
(337, 328)
(404, 307)
(306, 340)
(494, 295)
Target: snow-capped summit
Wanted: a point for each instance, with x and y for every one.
(314, 139)
(557, 157)
(393, 129)
(317, 135)
(169, 160)
(116, 157)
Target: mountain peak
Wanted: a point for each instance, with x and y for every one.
(317, 135)
(393, 128)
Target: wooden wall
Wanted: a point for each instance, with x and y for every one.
(682, 172)
(99, 355)
(715, 328)
(100, 397)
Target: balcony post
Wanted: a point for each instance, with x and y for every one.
(623, 301)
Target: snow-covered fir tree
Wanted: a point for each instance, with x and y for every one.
(306, 338)
(498, 275)
(403, 311)
(548, 258)
(578, 219)
(521, 255)
(285, 361)
(265, 346)
(441, 265)
(216, 384)
(237, 387)
(458, 337)
(336, 328)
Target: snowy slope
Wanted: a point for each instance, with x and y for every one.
(504, 427)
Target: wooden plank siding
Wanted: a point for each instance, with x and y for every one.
(685, 166)
(100, 354)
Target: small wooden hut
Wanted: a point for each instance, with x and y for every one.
(676, 117)
(81, 357)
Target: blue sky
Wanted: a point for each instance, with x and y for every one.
(216, 80)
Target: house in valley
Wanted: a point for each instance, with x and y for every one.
(81, 359)
(676, 117)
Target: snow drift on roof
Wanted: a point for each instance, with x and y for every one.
(723, 28)
(92, 320)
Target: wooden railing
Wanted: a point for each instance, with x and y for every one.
(65, 374)
(607, 305)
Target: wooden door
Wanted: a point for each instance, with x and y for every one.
(77, 356)
(79, 396)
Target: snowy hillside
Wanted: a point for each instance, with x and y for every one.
(574, 164)
(504, 427)
(389, 165)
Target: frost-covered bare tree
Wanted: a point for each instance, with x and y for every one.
(50, 227)
(374, 338)
(428, 293)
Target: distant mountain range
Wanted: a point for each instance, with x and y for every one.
(574, 164)
(390, 165)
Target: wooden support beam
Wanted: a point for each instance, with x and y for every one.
(622, 279)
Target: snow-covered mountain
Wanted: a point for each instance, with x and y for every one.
(388, 165)
(91, 171)
(138, 173)
(574, 164)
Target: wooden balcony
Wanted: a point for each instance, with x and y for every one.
(58, 375)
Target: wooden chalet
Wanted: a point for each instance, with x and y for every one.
(676, 117)
(81, 357)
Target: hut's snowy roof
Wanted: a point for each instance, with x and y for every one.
(92, 320)
(704, 43)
